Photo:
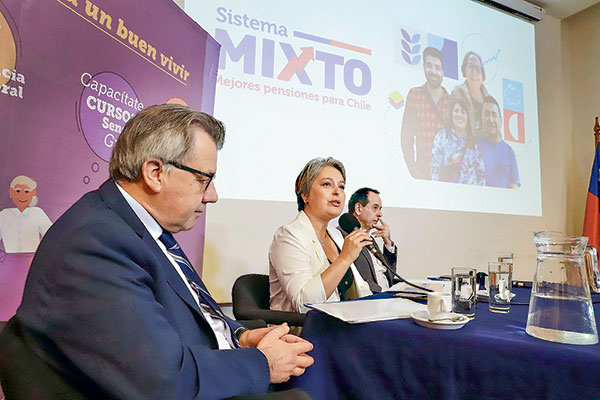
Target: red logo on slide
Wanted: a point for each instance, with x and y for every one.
(508, 135)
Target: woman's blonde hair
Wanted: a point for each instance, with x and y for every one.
(310, 172)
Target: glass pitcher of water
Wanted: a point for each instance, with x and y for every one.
(560, 308)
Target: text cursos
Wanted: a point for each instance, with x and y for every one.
(104, 107)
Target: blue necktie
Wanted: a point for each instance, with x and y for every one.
(206, 300)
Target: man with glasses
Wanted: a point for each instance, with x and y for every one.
(424, 115)
(113, 308)
(498, 157)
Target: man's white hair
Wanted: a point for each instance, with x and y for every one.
(26, 181)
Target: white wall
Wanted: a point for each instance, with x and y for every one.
(581, 44)
(430, 242)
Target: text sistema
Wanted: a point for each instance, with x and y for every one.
(229, 17)
(14, 86)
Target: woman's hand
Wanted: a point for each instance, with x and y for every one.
(353, 244)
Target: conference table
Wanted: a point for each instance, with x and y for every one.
(491, 357)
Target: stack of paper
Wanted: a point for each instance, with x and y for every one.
(436, 286)
(360, 311)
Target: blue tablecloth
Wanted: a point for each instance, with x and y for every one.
(491, 357)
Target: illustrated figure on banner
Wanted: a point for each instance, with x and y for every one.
(22, 228)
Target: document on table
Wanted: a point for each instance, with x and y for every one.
(436, 286)
(359, 311)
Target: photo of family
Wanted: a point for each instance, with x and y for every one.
(456, 137)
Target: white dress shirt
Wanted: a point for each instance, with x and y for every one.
(217, 325)
(21, 232)
(380, 270)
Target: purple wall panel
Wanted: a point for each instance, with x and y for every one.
(57, 129)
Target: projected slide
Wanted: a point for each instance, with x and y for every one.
(432, 102)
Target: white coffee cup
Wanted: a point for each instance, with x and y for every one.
(439, 304)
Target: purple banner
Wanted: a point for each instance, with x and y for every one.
(72, 73)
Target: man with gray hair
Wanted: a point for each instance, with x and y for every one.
(113, 308)
(22, 227)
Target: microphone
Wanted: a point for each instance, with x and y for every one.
(349, 223)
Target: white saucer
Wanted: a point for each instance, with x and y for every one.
(422, 318)
(484, 295)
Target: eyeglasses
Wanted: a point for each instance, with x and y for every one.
(210, 176)
(474, 68)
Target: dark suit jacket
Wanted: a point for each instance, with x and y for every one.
(364, 265)
(105, 309)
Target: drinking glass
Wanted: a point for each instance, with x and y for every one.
(500, 289)
(505, 257)
(463, 291)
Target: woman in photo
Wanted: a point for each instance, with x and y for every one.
(472, 89)
(455, 156)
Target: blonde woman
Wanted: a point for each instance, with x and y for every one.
(309, 263)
